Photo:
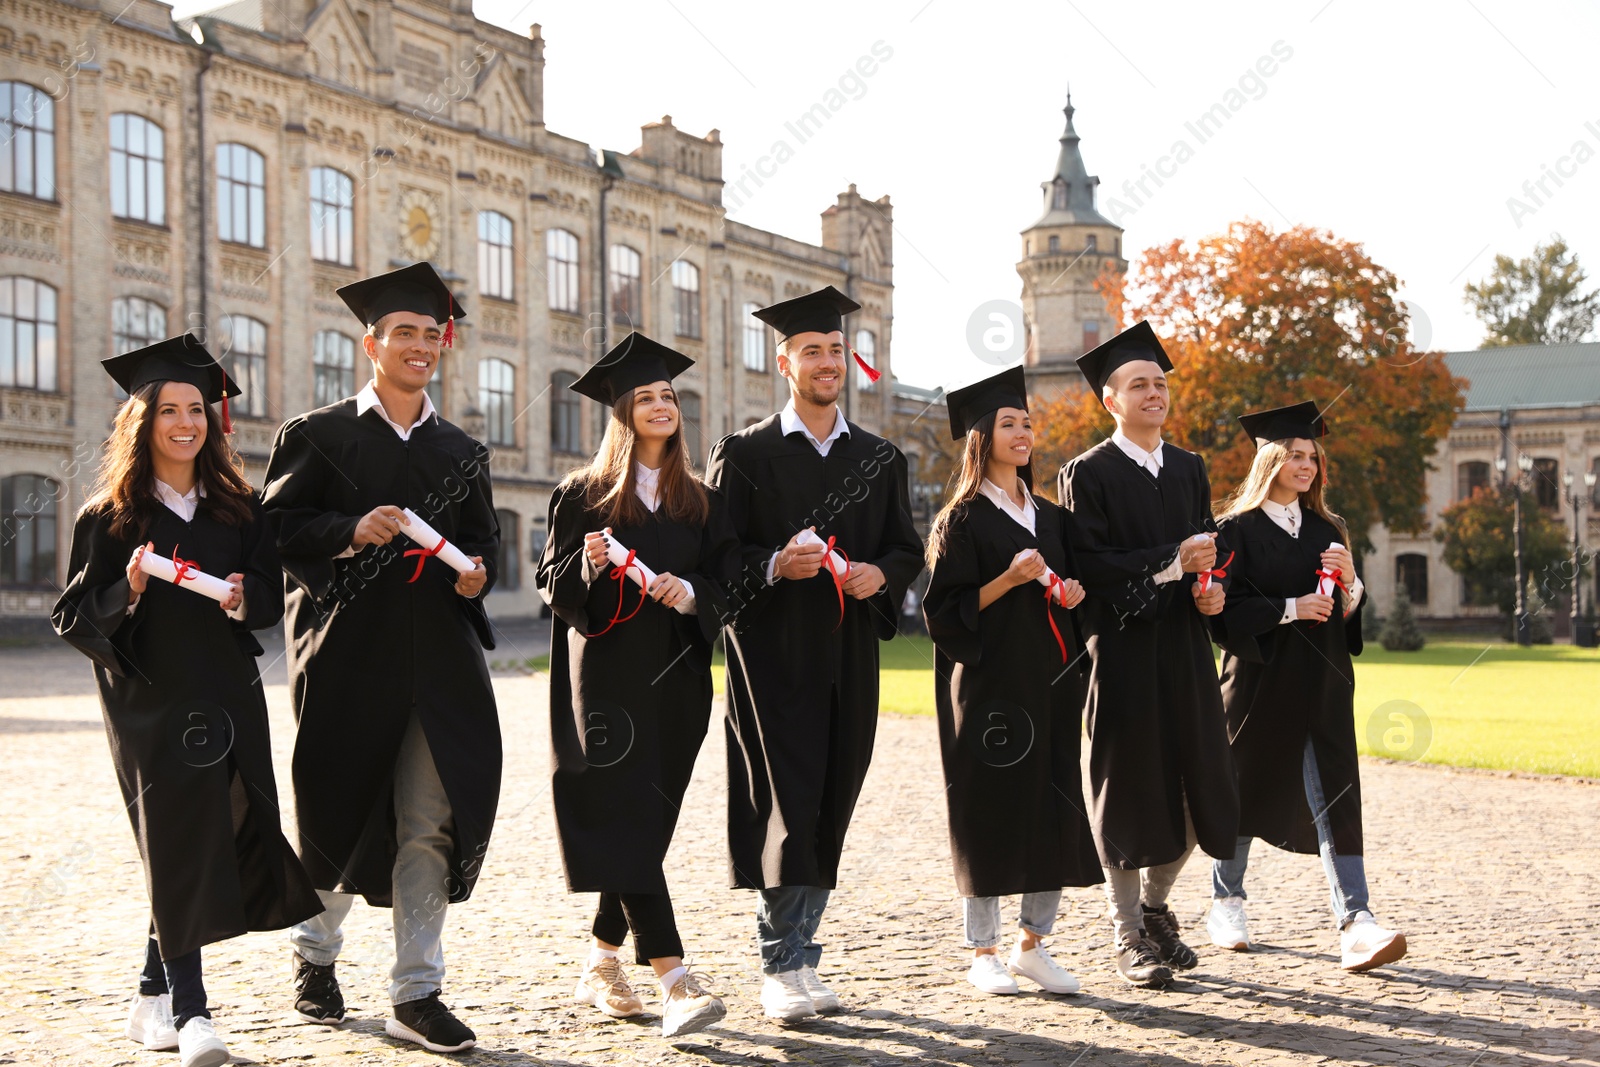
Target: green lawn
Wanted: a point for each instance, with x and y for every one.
(1459, 702)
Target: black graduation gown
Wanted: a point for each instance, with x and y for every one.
(1010, 711)
(187, 721)
(802, 683)
(1284, 682)
(368, 649)
(1156, 728)
(629, 707)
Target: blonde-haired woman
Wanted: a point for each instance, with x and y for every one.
(1289, 627)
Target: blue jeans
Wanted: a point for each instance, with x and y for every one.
(980, 917)
(786, 927)
(1347, 875)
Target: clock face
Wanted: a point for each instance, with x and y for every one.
(419, 233)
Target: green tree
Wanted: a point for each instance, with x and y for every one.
(1400, 631)
(1479, 545)
(1535, 301)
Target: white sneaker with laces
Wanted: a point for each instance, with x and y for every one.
(150, 1022)
(784, 996)
(822, 998)
(1364, 944)
(689, 1006)
(199, 1045)
(1227, 925)
(988, 974)
(1037, 963)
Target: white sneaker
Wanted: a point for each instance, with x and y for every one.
(784, 996)
(199, 1045)
(150, 1022)
(1227, 926)
(822, 998)
(690, 1007)
(1364, 944)
(990, 975)
(1037, 964)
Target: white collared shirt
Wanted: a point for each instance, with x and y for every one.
(789, 422)
(367, 399)
(1026, 516)
(1288, 518)
(647, 487)
(184, 505)
(1152, 462)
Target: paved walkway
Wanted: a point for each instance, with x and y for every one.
(1492, 878)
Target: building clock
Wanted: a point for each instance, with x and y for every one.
(419, 225)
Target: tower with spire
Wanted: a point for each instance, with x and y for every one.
(1062, 255)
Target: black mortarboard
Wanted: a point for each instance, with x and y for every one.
(417, 289)
(177, 359)
(1137, 342)
(635, 361)
(969, 404)
(820, 312)
(1281, 424)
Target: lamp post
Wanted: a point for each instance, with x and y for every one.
(1524, 634)
(1580, 636)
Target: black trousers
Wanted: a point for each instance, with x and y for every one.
(180, 977)
(648, 915)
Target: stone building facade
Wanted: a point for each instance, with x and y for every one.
(227, 172)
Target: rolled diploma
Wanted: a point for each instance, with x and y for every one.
(1325, 585)
(197, 581)
(809, 536)
(1204, 581)
(1044, 580)
(426, 536)
(617, 553)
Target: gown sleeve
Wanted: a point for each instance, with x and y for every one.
(565, 574)
(92, 612)
(308, 537)
(263, 575)
(478, 534)
(899, 552)
(716, 570)
(1123, 575)
(950, 606)
(1249, 621)
(749, 589)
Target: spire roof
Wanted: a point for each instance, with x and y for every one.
(1069, 195)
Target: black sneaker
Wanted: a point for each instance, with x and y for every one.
(1161, 926)
(428, 1023)
(1139, 962)
(317, 996)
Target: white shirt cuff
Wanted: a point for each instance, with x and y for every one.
(1355, 595)
(686, 605)
(1172, 571)
(133, 604)
(772, 569)
(1288, 611)
(347, 553)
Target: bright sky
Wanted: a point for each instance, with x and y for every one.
(1403, 126)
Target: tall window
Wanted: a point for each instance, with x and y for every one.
(1089, 243)
(435, 386)
(1411, 570)
(1055, 243)
(333, 368)
(867, 348)
(685, 299)
(333, 216)
(28, 531)
(561, 270)
(241, 195)
(497, 396)
(494, 255)
(27, 334)
(508, 576)
(27, 141)
(138, 169)
(1547, 482)
(245, 339)
(1091, 334)
(565, 428)
(627, 298)
(693, 431)
(755, 339)
(136, 322)
(1470, 477)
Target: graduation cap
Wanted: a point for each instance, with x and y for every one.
(820, 312)
(1281, 424)
(417, 289)
(1137, 342)
(969, 404)
(635, 361)
(177, 359)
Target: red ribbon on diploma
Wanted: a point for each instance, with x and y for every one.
(621, 575)
(184, 566)
(424, 553)
(1214, 572)
(1056, 582)
(838, 578)
(1332, 576)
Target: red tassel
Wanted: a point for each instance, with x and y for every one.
(227, 422)
(866, 368)
(448, 338)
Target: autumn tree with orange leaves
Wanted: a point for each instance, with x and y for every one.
(1254, 318)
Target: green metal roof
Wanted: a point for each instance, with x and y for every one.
(1529, 376)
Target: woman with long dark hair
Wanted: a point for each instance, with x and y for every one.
(630, 671)
(184, 709)
(1289, 626)
(1009, 688)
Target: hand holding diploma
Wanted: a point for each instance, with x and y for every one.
(473, 576)
(1337, 566)
(182, 573)
(610, 550)
(1029, 566)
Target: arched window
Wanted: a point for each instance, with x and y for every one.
(566, 429)
(333, 216)
(135, 322)
(28, 518)
(1470, 477)
(561, 271)
(497, 398)
(685, 299)
(508, 576)
(1411, 570)
(245, 340)
(27, 334)
(333, 368)
(867, 348)
(138, 169)
(241, 195)
(694, 437)
(627, 296)
(494, 256)
(755, 339)
(27, 141)
(1547, 482)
